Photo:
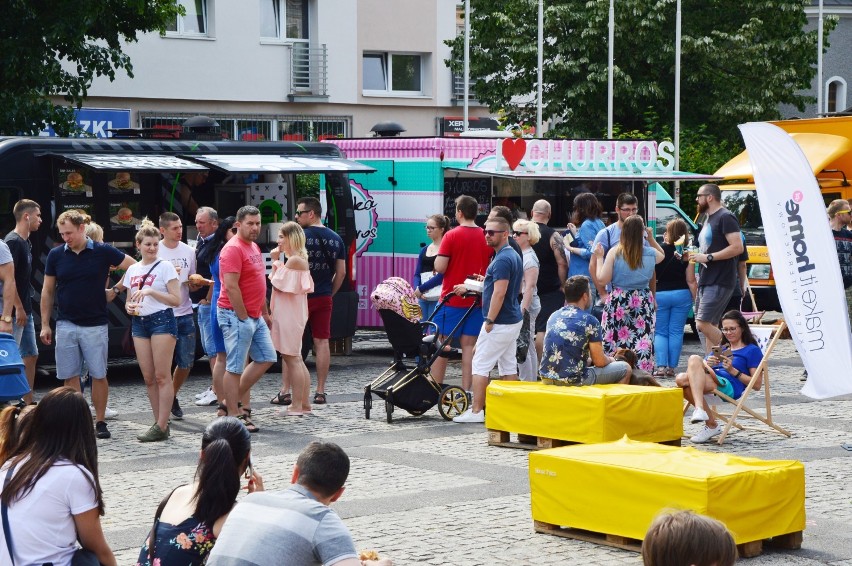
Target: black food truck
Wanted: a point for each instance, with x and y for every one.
(120, 181)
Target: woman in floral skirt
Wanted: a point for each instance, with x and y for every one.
(628, 317)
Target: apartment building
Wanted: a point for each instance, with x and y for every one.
(295, 69)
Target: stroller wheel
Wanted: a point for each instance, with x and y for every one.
(453, 402)
(368, 402)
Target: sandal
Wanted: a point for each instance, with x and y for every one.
(319, 398)
(250, 426)
(670, 372)
(661, 371)
(281, 399)
(221, 410)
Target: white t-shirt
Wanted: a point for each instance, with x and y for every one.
(159, 278)
(183, 256)
(42, 522)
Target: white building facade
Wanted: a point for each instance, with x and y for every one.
(295, 69)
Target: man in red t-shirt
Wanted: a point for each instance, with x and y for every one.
(463, 252)
(243, 314)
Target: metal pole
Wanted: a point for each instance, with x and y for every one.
(538, 131)
(819, 60)
(609, 70)
(677, 101)
(466, 63)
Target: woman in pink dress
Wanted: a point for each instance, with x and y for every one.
(291, 283)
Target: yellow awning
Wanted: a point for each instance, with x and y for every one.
(819, 149)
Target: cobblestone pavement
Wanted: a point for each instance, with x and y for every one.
(423, 490)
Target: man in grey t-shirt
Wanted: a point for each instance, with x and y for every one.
(294, 526)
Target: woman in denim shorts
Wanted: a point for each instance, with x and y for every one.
(153, 290)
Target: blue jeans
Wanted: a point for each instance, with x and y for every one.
(185, 347)
(672, 311)
(249, 337)
(427, 307)
(160, 322)
(204, 328)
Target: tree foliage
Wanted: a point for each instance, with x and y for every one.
(740, 60)
(55, 48)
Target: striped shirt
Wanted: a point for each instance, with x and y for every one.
(282, 528)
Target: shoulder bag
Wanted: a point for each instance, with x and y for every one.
(127, 345)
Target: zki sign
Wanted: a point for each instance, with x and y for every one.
(584, 155)
(97, 121)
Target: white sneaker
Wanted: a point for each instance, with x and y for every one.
(207, 398)
(706, 434)
(200, 395)
(108, 414)
(470, 417)
(699, 416)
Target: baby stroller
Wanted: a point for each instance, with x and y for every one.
(13, 379)
(409, 384)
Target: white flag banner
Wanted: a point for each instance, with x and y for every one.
(804, 258)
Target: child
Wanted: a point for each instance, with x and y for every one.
(684, 538)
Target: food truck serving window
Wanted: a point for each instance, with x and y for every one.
(131, 162)
(254, 163)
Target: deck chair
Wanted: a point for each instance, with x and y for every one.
(753, 316)
(767, 336)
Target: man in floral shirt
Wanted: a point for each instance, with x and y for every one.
(573, 336)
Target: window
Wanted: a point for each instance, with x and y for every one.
(284, 19)
(195, 20)
(835, 95)
(393, 73)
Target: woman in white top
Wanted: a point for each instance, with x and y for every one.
(51, 494)
(527, 235)
(153, 289)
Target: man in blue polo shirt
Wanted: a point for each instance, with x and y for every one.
(74, 275)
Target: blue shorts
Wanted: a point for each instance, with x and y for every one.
(448, 317)
(249, 337)
(25, 337)
(204, 313)
(218, 341)
(76, 344)
(185, 347)
(160, 322)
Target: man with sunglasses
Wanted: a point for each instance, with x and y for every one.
(719, 244)
(501, 311)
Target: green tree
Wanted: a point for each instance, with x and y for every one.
(740, 60)
(51, 49)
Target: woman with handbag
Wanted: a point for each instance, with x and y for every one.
(291, 283)
(190, 518)
(427, 283)
(153, 289)
(51, 497)
(526, 235)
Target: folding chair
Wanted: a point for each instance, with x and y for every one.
(767, 336)
(754, 316)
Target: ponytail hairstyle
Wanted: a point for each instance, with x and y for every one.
(225, 448)
(14, 422)
(147, 230)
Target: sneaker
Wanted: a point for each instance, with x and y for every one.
(101, 430)
(200, 395)
(706, 434)
(699, 416)
(804, 376)
(153, 434)
(108, 414)
(177, 412)
(207, 399)
(470, 417)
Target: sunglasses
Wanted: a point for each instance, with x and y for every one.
(234, 230)
(516, 233)
(843, 212)
(300, 212)
(492, 232)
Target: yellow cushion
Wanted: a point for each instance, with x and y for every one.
(596, 413)
(619, 487)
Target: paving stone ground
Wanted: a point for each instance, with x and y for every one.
(425, 491)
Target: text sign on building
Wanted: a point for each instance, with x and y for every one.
(452, 126)
(583, 155)
(97, 122)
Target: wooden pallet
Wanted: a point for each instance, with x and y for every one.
(528, 442)
(790, 541)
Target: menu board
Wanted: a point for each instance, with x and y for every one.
(124, 214)
(74, 182)
(123, 183)
(476, 187)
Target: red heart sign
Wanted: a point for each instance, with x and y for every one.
(513, 151)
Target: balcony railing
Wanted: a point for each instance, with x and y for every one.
(308, 70)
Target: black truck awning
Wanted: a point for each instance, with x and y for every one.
(259, 163)
(131, 162)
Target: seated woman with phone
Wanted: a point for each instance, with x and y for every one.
(190, 518)
(729, 368)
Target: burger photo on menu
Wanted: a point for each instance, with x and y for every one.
(124, 215)
(123, 182)
(74, 183)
